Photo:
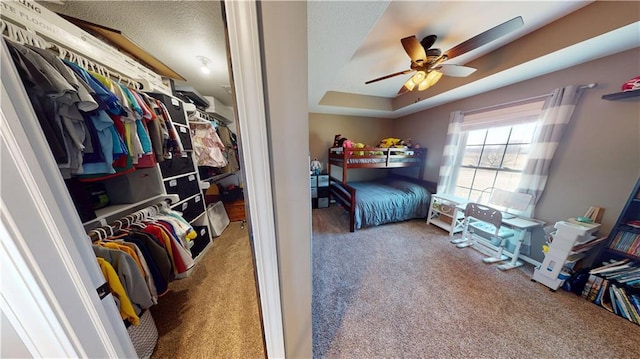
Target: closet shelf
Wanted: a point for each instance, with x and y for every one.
(216, 178)
(103, 213)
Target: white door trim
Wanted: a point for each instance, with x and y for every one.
(244, 47)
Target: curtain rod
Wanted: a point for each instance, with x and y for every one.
(581, 87)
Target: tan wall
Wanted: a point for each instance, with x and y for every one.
(598, 161)
(367, 130)
(286, 94)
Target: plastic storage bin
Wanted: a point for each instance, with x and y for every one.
(218, 218)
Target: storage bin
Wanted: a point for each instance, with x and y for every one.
(201, 241)
(177, 166)
(185, 136)
(323, 202)
(191, 208)
(218, 218)
(134, 187)
(184, 187)
(313, 181)
(144, 336)
(323, 180)
(174, 106)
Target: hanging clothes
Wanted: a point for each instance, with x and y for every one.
(230, 142)
(127, 312)
(207, 146)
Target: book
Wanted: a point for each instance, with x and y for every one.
(588, 285)
(612, 297)
(633, 314)
(605, 301)
(616, 265)
(595, 288)
(604, 288)
(622, 308)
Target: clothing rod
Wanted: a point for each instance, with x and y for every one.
(581, 87)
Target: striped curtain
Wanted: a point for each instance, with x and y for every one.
(556, 115)
(451, 154)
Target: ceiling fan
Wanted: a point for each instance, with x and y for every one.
(428, 64)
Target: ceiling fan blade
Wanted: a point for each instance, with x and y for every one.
(455, 70)
(413, 48)
(485, 37)
(388, 76)
(403, 89)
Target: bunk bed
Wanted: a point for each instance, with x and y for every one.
(393, 198)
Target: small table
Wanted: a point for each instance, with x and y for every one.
(445, 213)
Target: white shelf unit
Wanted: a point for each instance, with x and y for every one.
(443, 213)
(561, 254)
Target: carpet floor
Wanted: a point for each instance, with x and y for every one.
(214, 312)
(402, 290)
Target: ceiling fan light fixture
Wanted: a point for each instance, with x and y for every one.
(419, 77)
(434, 76)
(410, 85)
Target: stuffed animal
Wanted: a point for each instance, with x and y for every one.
(338, 141)
(390, 142)
(359, 145)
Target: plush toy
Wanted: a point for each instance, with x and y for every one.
(390, 142)
(336, 140)
(359, 145)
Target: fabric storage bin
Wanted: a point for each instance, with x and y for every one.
(314, 192)
(191, 208)
(174, 106)
(201, 241)
(177, 166)
(144, 336)
(185, 136)
(313, 181)
(218, 218)
(133, 187)
(184, 187)
(323, 202)
(323, 180)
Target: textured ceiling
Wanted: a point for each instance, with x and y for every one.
(350, 42)
(175, 32)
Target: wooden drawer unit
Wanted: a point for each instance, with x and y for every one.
(235, 210)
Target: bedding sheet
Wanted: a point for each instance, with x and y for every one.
(386, 201)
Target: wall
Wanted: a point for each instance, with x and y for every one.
(367, 130)
(598, 161)
(287, 113)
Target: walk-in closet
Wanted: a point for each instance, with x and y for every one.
(134, 171)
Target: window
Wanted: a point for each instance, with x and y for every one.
(493, 157)
(489, 148)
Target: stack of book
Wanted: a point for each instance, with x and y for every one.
(615, 286)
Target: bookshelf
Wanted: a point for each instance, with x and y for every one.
(617, 289)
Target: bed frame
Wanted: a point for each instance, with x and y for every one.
(370, 157)
(376, 157)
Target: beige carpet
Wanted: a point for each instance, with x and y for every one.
(402, 290)
(213, 313)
